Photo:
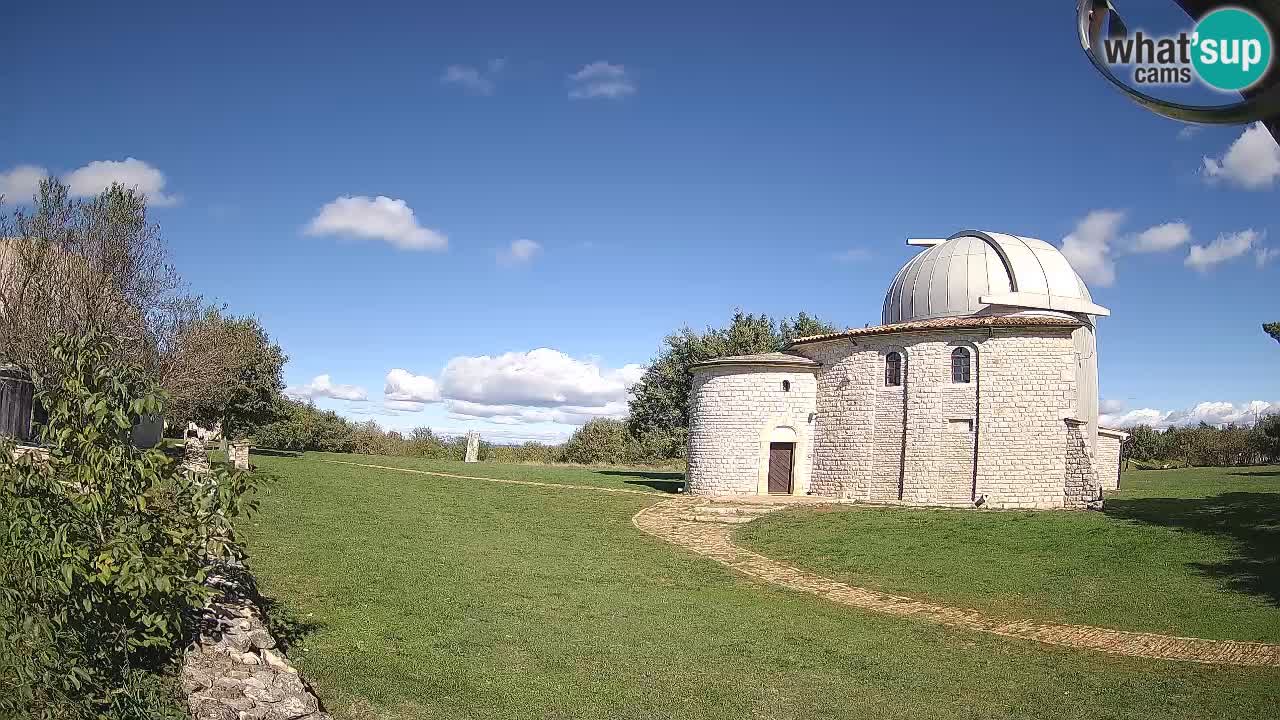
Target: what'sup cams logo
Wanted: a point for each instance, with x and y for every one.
(1229, 49)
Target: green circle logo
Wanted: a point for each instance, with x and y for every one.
(1232, 49)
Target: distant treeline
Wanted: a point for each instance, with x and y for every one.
(305, 427)
(1205, 445)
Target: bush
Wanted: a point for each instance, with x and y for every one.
(600, 441)
(1206, 446)
(103, 548)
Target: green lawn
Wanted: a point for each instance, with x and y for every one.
(1190, 552)
(413, 596)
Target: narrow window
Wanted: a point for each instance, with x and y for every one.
(893, 369)
(960, 365)
(786, 386)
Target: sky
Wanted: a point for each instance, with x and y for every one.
(488, 215)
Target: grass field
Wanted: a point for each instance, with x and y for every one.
(1186, 552)
(408, 596)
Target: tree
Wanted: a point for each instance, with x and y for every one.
(225, 370)
(1272, 329)
(69, 267)
(660, 400)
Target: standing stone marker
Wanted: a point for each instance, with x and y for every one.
(238, 452)
(473, 446)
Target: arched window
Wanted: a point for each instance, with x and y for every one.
(893, 369)
(960, 365)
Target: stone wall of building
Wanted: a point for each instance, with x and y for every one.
(1080, 484)
(733, 413)
(1010, 417)
(1108, 460)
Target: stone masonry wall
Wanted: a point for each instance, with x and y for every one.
(1080, 484)
(732, 410)
(1107, 461)
(234, 671)
(1023, 386)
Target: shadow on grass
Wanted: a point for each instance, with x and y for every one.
(1257, 473)
(667, 482)
(275, 453)
(1251, 521)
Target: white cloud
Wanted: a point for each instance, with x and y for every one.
(519, 252)
(1189, 131)
(380, 218)
(407, 392)
(1088, 247)
(1107, 406)
(1264, 255)
(1160, 238)
(473, 79)
(323, 386)
(1252, 161)
(1226, 247)
(19, 184)
(1214, 413)
(541, 385)
(130, 172)
(601, 80)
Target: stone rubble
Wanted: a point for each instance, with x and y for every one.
(234, 671)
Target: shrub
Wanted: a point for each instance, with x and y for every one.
(103, 547)
(602, 440)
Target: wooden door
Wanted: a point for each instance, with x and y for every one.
(780, 462)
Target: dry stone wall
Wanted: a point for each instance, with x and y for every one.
(733, 410)
(234, 670)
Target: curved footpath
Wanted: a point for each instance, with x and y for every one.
(705, 526)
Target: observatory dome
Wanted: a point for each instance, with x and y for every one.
(986, 273)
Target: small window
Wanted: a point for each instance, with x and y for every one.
(893, 369)
(786, 386)
(960, 365)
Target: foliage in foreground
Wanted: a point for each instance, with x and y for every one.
(103, 547)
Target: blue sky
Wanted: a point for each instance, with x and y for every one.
(663, 164)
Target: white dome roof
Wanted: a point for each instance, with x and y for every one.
(982, 273)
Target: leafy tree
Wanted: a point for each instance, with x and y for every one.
(68, 266)
(1272, 329)
(103, 547)
(660, 401)
(1142, 443)
(234, 373)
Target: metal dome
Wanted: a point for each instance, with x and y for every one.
(982, 273)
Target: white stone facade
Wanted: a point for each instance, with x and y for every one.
(1020, 433)
(740, 409)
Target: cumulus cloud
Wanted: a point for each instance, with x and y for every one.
(1251, 162)
(380, 218)
(478, 81)
(1215, 413)
(519, 252)
(130, 172)
(541, 385)
(1226, 247)
(21, 182)
(1088, 247)
(601, 79)
(323, 386)
(407, 392)
(1160, 238)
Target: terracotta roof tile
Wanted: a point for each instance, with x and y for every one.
(949, 323)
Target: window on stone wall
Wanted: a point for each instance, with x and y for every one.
(786, 386)
(960, 365)
(893, 369)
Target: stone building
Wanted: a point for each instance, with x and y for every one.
(979, 388)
